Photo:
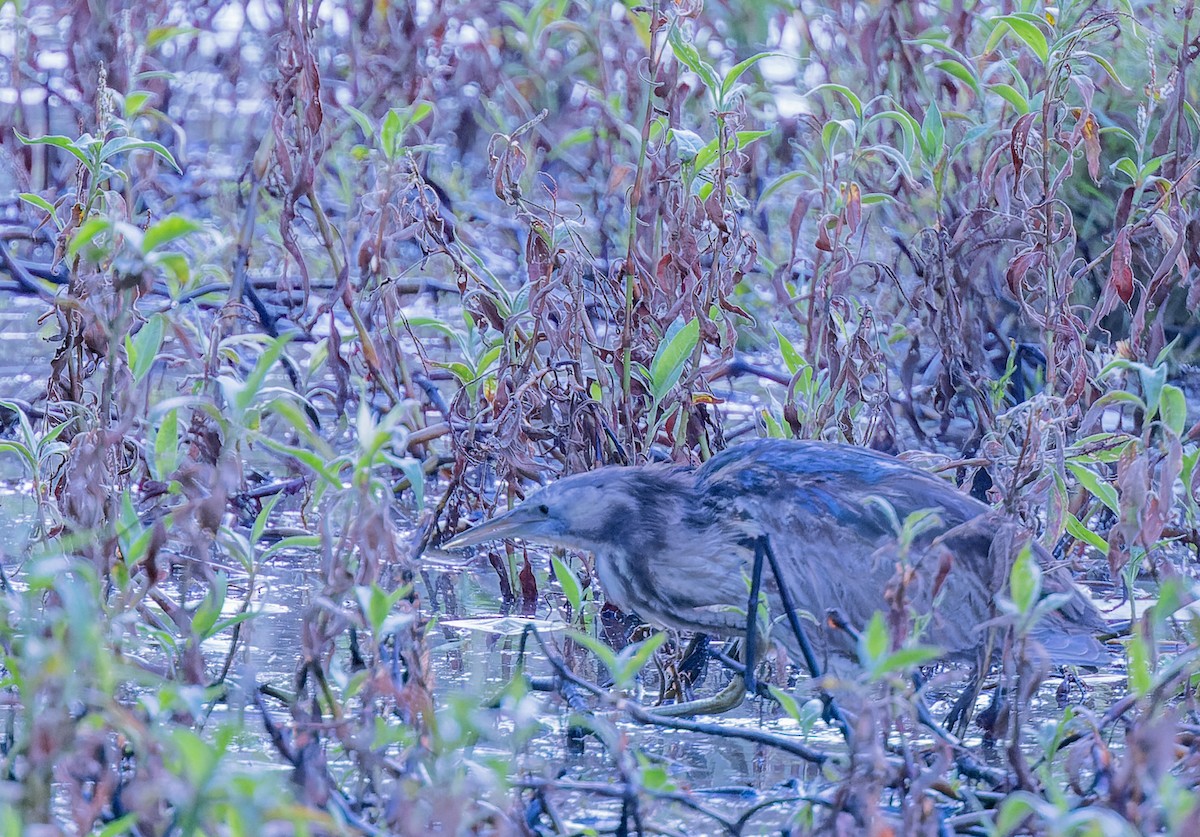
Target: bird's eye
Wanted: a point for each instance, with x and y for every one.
(543, 509)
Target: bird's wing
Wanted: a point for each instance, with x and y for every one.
(831, 512)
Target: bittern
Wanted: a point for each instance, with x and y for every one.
(676, 545)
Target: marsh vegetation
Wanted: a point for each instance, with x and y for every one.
(292, 293)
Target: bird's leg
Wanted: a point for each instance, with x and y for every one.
(959, 719)
(806, 649)
(728, 698)
(752, 616)
(994, 718)
(763, 543)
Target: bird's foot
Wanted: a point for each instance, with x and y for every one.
(728, 698)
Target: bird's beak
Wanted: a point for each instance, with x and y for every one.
(511, 524)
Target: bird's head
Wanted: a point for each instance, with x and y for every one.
(589, 511)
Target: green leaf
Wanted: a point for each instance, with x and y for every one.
(786, 700)
(1109, 448)
(907, 659)
(1025, 581)
(736, 72)
(774, 428)
(1016, 808)
(429, 322)
(209, 609)
(933, 134)
(875, 198)
(1173, 594)
(161, 34)
(1188, 473)
(779, 183)
(654, 777)
(1108, 68)
(361, 120)
(459, 370)
(129, 530)
(299, 419)
(1120, 396)
(38, 201)
(516, 14)
(688, 143)
(142, 348)
(375, 605)
(1172, 408)
(168, 229)
(86, 233)
(910, 128)
(1077, 530)
(744, 138)
(709, 154)
(672, 355)
(418, 112)
(689, 55)
(874, 641)
(602, 651)
(488, 359)
(634, 658)
(390, 134)
(31, 443)
(245, 395)
(895, 156)
(263, 516)
(58, 141)
(298, 542)
(1029, 34)
(1137, 653)
(395, 124)
(1099, 489)
(415, 473)
(20, 451)
(1128, 168)
(1153, 380)
(122, 145)
(791, 357)
(178, 272)
(960, 71)
(229, 622)
(569, 583)
(321, 463)
(832, 129)
(195, 755)
(843, 90)
(1011, 95)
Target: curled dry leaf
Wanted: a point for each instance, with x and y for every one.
(1120, 276)
(1018, 266)
(1018, 144)
(823, 242)
(853, 196)
(1091, 147)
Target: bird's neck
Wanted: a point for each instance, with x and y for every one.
(657, 506)
(665, 552)
(656, 514)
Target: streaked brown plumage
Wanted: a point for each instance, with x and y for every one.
(675, 545)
